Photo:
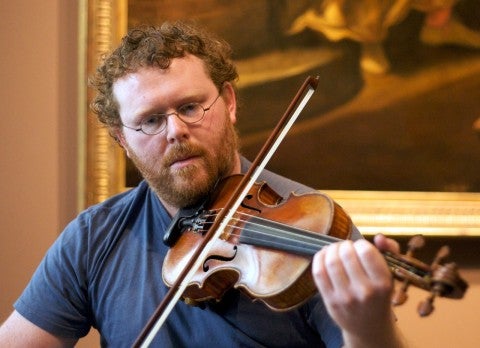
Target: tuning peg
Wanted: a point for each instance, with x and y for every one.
(442, 253)
(400, 296)
(440, 279)
(444, 278)
(415, 243)
(441, 284)
(426, 307)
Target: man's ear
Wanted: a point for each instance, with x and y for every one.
(120, 138)
(230, 101)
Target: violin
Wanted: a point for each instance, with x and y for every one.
(266, 250)
(245, 236)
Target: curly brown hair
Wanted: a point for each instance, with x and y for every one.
(148, 46)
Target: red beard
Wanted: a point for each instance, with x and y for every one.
(186, 186)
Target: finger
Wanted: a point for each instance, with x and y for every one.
(386, 244)
(372, 261)
(352, 264)
(319, 272)
(335, 268)
(331, 273)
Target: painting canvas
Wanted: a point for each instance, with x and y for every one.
(409, 129)
(399, 148)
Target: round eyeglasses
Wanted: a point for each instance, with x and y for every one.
(188, 113)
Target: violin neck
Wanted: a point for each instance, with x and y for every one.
(275, 235)
(278, 236)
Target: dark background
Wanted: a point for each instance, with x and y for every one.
(409, 130)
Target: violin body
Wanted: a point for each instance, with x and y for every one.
(252, 255)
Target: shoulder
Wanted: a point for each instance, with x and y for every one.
(95, 232)
(125, 202)
(280, 184)
(57, 298)
(101, 228)
(108, 215)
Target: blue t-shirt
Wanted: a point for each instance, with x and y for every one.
(105, 271)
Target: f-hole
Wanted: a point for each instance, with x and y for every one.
(220, 258)
(249, 207)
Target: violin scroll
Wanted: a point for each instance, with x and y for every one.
(440, 279)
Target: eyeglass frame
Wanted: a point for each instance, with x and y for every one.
(176, 113)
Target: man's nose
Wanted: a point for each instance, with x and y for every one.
(176, 129)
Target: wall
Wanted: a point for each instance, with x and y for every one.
(38, 179)
(453, 323)
(38, 134)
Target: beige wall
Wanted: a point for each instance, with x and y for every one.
(38, 177)
(37, 134)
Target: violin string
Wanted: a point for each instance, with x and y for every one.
(283, 237)
(311, 242)
(395, 263)
(315, 239)
(280, 242)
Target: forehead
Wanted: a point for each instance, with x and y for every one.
(182, 72)
(186, 75)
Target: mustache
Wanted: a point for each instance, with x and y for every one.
(181, 151)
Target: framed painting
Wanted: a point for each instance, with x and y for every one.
(399, 150)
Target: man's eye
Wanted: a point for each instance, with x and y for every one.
(152, 120)
(189, 110)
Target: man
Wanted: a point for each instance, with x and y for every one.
(168, 97)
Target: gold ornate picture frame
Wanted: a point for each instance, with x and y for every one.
(390, 212)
